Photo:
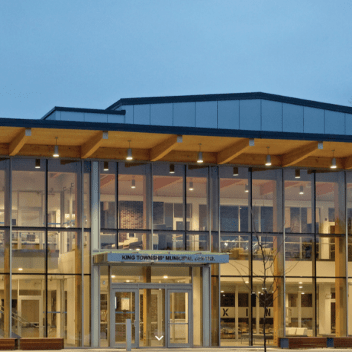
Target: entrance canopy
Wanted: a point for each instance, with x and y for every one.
(159, 257)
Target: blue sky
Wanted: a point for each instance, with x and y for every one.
(83, 53)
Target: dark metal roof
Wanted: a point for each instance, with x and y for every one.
(233, 96)
(92, 111)
(106, 126)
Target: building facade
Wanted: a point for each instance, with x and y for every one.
(206, 220)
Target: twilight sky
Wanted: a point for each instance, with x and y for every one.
(89, 54)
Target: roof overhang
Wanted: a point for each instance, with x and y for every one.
(143, 257)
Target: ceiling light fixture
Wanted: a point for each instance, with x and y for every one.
(129, 151)
(190, 188)
(37, 163)
(297, 173)
(133, 185)
(333, 161)
(301, 190)
(56, 150)
(235, 171)
(106, 166)
(200, 155)
(246, 189)
(172, 169)
(268, 159)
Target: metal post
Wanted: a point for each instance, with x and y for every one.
(128, 334)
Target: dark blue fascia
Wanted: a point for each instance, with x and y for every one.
(92, 111)
(102, 126)
(233, 96)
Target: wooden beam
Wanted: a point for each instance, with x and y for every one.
(229, 153)
(19, 141)
(163, 148)
(297, 155)
(89, 147)
(347, 162)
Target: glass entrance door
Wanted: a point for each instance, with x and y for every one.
(179, 318)
(124, 305)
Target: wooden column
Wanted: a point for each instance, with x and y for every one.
(340, 257)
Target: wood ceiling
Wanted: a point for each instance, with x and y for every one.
(89, 144)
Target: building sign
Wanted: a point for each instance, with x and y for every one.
(117, 257)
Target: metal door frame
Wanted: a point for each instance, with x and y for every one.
(168, 291)
(129, 289)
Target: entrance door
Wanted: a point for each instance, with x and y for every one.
(124, 305)
(179, 320)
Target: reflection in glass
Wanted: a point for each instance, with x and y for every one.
(168, 241)
(125, 308)
(134, 240)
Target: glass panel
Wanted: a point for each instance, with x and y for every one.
(197, 241)
(237, 246)
(267, 310)
(108, 239)
(86, 253)
(197, 198)
(28, 305)
(134, 240)
(299, 255)
(178, 323)
(331, 255)
(64, 252)
(28, 252)
(331, 306)
(64, 186)
(152, 318)
(108, 195)
(168, 193)
(234, 200)
(134, 196)
(298, 201)
(299, 307)
(4, 166)
(330, 202)
(267, 200)
(234, 311)
(169, 241)
(124, 309)
(28, 192)
(104, 307)
(197, 311)
(86, 195)
(86, 311)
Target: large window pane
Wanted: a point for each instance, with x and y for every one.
(330, 202)
(197, 198)
(107, 195)
(267, 200)
(28, 192)
(331, 306)
(234, 199)
(64, 252)
(28, 305)
(168, 197)
(299, 307)
(134, 196)
(86, 194)
(64, 189)
(298, 201)
(28, 251)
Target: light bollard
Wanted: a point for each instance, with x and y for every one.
(128, 334)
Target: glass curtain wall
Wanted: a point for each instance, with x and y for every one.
(44, 207)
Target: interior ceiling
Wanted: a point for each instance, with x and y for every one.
(88, 144)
